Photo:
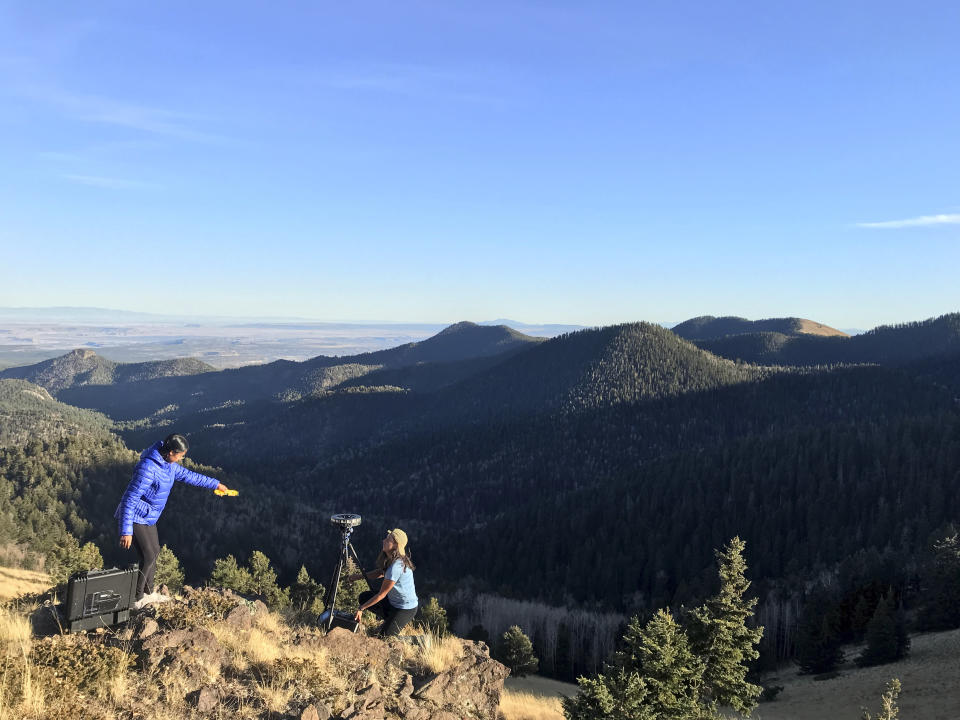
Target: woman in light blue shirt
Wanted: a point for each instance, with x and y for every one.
(396, 601)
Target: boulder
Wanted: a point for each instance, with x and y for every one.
(195, 652)
(206, 699)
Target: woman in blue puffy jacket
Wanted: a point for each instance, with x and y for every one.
(144, 499)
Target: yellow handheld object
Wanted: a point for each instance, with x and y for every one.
(227, 493)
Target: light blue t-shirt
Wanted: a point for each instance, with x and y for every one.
(403, 595)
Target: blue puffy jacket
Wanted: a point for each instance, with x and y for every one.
(149, 489)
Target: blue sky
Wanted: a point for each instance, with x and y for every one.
(559, 162)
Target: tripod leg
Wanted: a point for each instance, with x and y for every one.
(331, 598)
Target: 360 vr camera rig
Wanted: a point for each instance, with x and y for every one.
(331, 618)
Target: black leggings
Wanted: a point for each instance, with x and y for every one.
(148, 547)
(394, 619)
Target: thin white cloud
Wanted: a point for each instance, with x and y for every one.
(109, 111)
(107, 182)
(922, 221)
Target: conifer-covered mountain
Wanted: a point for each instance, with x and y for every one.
(708, 327)
(587, 369)
(85, 367)
(29, 413)
(885, 345)
(464, 344)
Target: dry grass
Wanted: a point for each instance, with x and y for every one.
(21, 692)
(534, 698)
(435, 654)
(928, 675)
(519, 705)
(15, 582)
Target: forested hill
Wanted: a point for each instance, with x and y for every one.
(588, 369)
(464, 345)
(594, 368)
(707, 327)
(85, 367)
(28, 412)
(885, 345)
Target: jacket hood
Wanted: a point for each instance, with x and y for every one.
(153, 453)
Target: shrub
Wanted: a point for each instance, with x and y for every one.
(433, 618)
(516, 652)
(169, 572)
(76, 662)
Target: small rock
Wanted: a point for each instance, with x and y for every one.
(348, 712)
(240, 617)
(205, 699)
(147, 628)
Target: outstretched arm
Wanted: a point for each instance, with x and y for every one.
(194, 478)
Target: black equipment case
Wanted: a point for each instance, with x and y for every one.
(99, 598)
(344, 620)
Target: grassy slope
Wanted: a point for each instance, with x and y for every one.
(15, 582)
(929, 678)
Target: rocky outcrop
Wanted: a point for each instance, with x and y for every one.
(345, 676)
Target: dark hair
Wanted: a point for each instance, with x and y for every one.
(174, 444)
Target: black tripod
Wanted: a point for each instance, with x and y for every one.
(346, 522)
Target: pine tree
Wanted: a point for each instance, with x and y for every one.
(169, 572)
(940, 609)
(433, 618)
(228, 574)
(887, 639)
(348, 593)
(888, 703)
(818, 640)
(655, 676)
(516, 652)
(720, 637)
(861, 616)
(264, 581)
(670, 670)
(618, 694)
(479, 633)
(306, 594)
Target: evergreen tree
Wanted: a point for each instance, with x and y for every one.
(668, 667)
(720, 637)
(516, 652)
(168, 572)
(861, 616)
(618, 694)
(348, 593)
(306, 594)
(228, 574)
(74, 558)
(655, 676)
(818, 638)
(887, 639)
(940, 609)
(888, 703)
(264, 581)
(479, 633)
(433, 618)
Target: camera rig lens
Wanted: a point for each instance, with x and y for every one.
(345, 520)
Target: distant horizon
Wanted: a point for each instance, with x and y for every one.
(281, 320)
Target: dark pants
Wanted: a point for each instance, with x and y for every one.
(394, 619)
(148, 547)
